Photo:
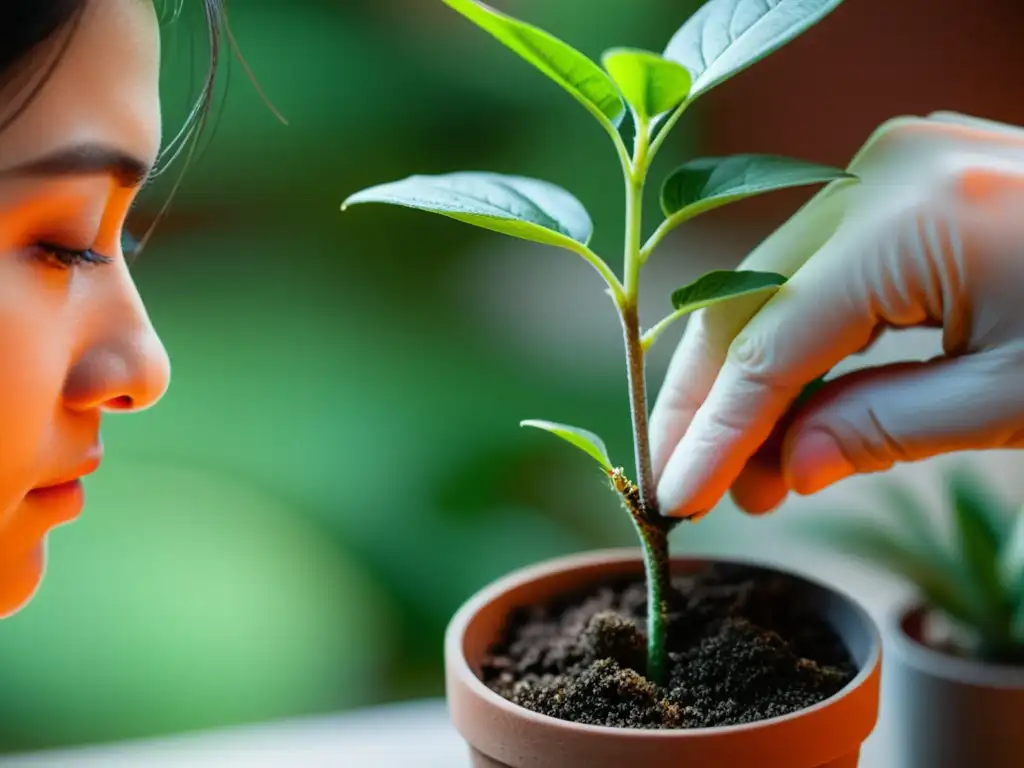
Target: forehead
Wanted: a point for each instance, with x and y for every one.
(104, 89)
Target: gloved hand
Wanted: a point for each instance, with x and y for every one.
(933, 235)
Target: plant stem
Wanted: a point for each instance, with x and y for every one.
(656, 565)
(636, 380)
(667, 127)
(635, 180)
(653, 533)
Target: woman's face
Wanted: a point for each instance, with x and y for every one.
(75, 341)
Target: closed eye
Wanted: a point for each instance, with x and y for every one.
(69, 258)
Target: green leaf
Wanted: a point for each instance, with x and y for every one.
(651, 84)
(513, 205)
(931, 570)
(576, 73)
(725, 37)
(586, 441)
(1011, 560)
(721, 285)
(712, 288)
(710, 182)
(980, 527)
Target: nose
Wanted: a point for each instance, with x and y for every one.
(124, 368)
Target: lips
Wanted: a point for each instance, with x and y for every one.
(87, 467)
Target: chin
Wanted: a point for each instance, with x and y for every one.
(20, 578)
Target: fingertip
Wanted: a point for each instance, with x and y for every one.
(668, 503)
(674, 503)
(759, 489)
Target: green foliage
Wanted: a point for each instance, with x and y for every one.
(650, 84)
(714, 288)
(512, 205)
(577, 74)
(722, 38)
(726, 36)
(981, 528)
(976, 578)
(721, 285)
(709, 182)
(1011, 560)
(586, 441)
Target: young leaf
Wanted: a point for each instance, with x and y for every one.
(651, 84)
(576, 73)
(980, 527)
(712, 288)
(513, 205)
(725, 37)
(586, 441)
(721, 285)
(710, 182)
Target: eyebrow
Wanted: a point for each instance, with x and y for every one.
(85, 160)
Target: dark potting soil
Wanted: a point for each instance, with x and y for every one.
(741, 647)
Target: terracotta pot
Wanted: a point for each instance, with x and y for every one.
(950, 712)
(503, 735)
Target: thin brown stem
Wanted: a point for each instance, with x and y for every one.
(637, 382)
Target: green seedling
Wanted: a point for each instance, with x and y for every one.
(654, 90)
(976, 579)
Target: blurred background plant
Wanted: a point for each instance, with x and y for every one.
(971, 579)
(338, 461)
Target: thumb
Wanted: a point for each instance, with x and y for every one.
(869, 420)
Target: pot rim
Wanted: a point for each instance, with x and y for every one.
(943, 665)
(457, 628)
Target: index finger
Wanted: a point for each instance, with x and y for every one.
(709, 333)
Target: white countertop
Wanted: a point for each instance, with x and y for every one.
(414, 735)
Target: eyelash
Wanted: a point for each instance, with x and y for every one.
(69, 258)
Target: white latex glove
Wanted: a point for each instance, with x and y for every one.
(933, 235)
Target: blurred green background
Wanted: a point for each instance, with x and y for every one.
(337, 464)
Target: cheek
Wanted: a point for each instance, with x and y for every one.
(33, 364)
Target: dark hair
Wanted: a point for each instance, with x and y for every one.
(26, 24)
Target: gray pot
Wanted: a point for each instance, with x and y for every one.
(945, 711)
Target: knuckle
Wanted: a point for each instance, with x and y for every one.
(756, 358)
(749, 353)
(863, 438)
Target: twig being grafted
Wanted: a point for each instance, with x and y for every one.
(654, 540)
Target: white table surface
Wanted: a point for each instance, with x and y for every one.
(414, 735)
